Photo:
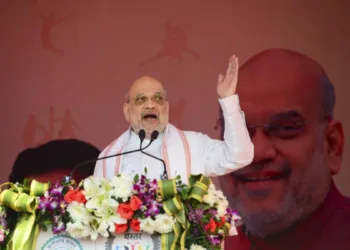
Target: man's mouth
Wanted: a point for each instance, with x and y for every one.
(150, 116)
(263, 176)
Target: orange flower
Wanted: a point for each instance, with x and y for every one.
(125, 211)
(211, 226)
(70, 196)
(120, 228)
(80, 197)
(222, 222)
(135, 203)
(135, 225)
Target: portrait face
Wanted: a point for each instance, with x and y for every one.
(296, 149)
(147, 107)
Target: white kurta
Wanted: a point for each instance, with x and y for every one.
(207, 156)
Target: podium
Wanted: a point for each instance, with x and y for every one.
(123, 213)
(128, 241)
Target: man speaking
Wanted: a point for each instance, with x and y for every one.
(183, 152)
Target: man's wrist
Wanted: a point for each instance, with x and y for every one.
(230, 104)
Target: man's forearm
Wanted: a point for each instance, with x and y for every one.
(239, 148)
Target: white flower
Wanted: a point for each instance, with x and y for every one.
(110, 220)
(196, 247)
(103, 229)
(98, 192)
(148, 225)
(164, 223)
(94, 187)
(210, 197)
(221, 209)
(78, 230)
(78, 212)
(220, 195)
(122, 187)
(94, 225)
(216, 198)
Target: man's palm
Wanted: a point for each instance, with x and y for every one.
(227, 84)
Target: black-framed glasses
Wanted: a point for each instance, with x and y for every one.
(278, 129)
(142, 99)
(287, 124)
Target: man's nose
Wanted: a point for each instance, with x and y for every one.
(150, 104)
(263, 147)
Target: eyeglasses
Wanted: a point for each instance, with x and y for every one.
(284, 125)
(279, 129)
(142, 99)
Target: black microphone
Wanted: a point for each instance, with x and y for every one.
(154, 136)
(142, 134)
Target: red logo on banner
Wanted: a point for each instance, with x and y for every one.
(174, 45)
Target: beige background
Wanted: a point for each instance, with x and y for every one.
(65, 65)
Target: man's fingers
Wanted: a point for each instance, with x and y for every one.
(234, 67)
(232, 70)
(231, 66)
(221, 78)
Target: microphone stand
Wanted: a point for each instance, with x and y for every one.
(154, 136)
(165, 173)
(68, 179)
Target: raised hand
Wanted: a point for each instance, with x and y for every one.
(227, 84)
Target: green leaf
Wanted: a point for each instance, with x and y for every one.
(26, 182)
(136, 178)
(205, 220)
(145, 171)
(206, 206)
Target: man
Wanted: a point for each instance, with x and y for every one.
(184, 152)
(54, 160)
(287, 198)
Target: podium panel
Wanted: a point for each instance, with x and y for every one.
(128, 241)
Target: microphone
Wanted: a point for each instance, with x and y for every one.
(142, 134)
(154, 136)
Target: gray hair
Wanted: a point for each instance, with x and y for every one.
(127, 97)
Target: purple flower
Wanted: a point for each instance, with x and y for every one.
(137, 188)
(3, 222)
(2, 236)
(231, 213)
(53, 205)
(58, 227)
(198, 213)
(154, 185)
(215, 240)
(212, 212)
(146, 190)
(153, 208)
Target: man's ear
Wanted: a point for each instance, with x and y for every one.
(126, 108)
(167, 106)
(335, 145)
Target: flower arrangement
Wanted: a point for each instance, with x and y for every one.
(194, 216)
(4, 231)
